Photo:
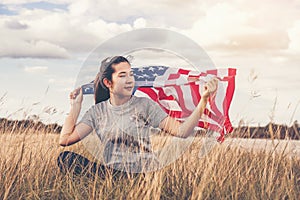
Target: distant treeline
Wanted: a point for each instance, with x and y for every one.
(271, 130)
(27, 126)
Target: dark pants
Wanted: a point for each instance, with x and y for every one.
(70, 162)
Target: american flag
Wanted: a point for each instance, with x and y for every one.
(178, 92)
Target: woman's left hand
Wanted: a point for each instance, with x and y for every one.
(210, 87)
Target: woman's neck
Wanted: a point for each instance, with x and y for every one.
(117, 101)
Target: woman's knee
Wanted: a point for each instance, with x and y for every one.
(68, 161)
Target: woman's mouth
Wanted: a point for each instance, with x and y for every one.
(129, 88)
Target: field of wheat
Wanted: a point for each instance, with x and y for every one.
(28, 165)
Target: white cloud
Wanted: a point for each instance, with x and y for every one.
(18, 48)
(68, 81)
(167, 12)
(218, 26)
(48, 34)
(63, 84)
(16, 2)
(13, 24)
(294, 33)
(140, 23)
(245, 27)
(36, 69)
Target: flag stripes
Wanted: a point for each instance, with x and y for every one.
(178, 91)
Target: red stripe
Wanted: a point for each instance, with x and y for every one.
(195, 93)
(183, 71)
(213, 72)
(213, 106)
(149, 91)
(185, 112)
(227, 102)
(217, 118)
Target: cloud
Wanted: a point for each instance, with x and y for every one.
(13, 24)
(20, 2)
(62, 81)
(157, 12)
(139, 23)
(229, 27)
(62, 84)
(244, 27)
(294, 32)
(17, 48)
(255, 41)
(36, 69)
(53, 34)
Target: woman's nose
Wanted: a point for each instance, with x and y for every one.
(130, 79)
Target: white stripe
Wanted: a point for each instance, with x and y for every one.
(160, 80)
(170, 105)
(188, 97)
(222, 73)
(206, 118)
(194, 73)
(188, 102)
(141, 94)
(170, 91)
(183, 79)
(206, 78)
(221, 95)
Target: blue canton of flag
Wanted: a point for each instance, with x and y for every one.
(88, 88)
(144, 77)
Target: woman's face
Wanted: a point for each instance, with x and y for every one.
(122, 80)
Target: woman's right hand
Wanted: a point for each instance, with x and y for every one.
(76, 96)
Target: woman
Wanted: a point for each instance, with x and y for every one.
(122, 122)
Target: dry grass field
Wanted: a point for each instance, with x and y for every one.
(29, 171)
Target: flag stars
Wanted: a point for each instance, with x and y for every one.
(141, 70)
(139, 77)
(161, 68)
(151, 69)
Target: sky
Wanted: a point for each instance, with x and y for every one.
(44, 45)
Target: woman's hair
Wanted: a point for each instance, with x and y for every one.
(106, 71)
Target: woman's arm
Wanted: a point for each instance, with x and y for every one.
(72, 133)
(172, 126)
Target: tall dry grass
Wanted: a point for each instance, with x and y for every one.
(29, 171)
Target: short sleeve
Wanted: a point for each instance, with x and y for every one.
(89, 117)
(156, 113)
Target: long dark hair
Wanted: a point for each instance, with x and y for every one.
(106, 71)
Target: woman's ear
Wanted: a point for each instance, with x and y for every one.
(107, 83)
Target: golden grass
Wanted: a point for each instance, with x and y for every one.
(29, 171)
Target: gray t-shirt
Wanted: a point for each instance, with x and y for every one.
(125, 131)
